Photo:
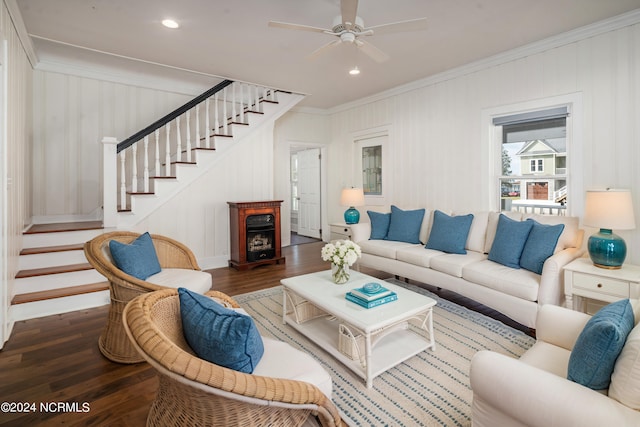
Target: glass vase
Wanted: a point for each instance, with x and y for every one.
(340, 273)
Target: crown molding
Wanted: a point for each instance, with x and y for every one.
(573, 36)
(21, 30)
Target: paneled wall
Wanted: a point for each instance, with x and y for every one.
(71, 116)
(199, 215)
(16, 178)
(439, 151)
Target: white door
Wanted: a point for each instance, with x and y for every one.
(309, 192)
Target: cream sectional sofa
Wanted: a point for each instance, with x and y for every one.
(516, 292)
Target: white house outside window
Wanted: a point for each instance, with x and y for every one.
(534, 161)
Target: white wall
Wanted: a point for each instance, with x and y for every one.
(439, 159)
(15, 153)
(71, 116)
(296, 129)
(199, 215)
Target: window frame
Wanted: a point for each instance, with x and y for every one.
(491, 139)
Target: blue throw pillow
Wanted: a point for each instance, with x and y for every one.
(511, 235)
(137, 259)
(404, 226)
(379, 224)
(540, 245)
(218, 334)
(599, 344)
(449, 233)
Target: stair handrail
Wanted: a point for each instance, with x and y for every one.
(172, 115)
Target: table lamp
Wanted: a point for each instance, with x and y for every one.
(607, 210)
(352, 197)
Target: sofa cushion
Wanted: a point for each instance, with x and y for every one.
(425, 228)
(570, 234)
(194, 280)
(519, 283)
(218, 334)
(548, 357)
(138, 258)
(417, 255)
(540, 245)
(453, 264)
(384, 248)
(599, 344)
(509, 242)
(281, 360)
(492, 226)
(625, 381)
(478, 231)
(404, 226)
(449, 233)
(379, 224)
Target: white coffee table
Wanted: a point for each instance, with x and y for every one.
(368, 341)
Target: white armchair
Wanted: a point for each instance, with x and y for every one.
(534, 391)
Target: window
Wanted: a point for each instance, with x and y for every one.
(372, 170)
(534, 161)
(536, 165)
(371, 157)
(294, 183)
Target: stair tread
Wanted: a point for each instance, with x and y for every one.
(49, 249)
(64, 226)
(59, 293)
(53, 270)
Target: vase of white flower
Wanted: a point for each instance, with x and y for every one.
(340, 273)
(342, 254)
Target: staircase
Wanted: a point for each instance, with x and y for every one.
(141, 173)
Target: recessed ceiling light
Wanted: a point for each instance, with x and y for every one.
(170, 23)
(354, 71)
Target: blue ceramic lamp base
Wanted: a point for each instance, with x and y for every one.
(351, 216)
(607, 250)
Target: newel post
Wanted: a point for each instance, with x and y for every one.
(109, 181)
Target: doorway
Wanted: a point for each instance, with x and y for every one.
(306, 221)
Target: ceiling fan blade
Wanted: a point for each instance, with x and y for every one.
(396, 27)
(369, 49)
(323, 48)
(289, 26)
(349, 10)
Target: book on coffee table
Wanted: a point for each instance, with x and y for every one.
(373, 303)
(365, 294)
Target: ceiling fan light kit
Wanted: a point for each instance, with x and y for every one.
(348, 28)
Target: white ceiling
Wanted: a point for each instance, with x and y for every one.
(231, 38)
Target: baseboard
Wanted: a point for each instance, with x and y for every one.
(209, 263)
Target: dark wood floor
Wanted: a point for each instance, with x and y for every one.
(56, 358)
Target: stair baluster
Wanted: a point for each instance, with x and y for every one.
(145, 175)
(157, 165)
(167, 151)
(188, 149)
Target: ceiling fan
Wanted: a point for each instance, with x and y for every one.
(348, 27)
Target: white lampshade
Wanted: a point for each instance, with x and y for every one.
(610, 209)
(352, 197)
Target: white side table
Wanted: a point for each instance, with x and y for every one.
(339, 231)
(583, 280)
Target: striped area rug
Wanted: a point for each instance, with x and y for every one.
(430, 389)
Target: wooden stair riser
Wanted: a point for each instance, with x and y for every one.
(51, 259)
(18, 312)
(56, 281)
(53, 239)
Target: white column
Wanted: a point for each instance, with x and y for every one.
(110, 182)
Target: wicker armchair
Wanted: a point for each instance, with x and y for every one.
(113, 342)
(195, 392)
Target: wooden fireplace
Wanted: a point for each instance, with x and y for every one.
(254, 229)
